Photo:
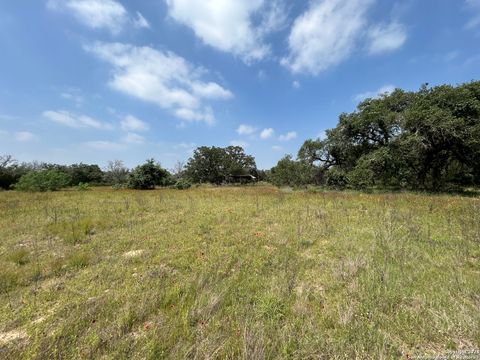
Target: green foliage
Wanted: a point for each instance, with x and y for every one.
(289, 172)
(336, 178)
(428, 139)
(79, 260)
(84, 174)
(83, 187)
(10, 172)
(219, 165)
(19, 256)
(148, 175)
(183, 185)
(43, 180)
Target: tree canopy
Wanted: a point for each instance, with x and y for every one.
(429, 139)
(219, 165)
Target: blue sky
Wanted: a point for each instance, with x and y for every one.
(96, 80)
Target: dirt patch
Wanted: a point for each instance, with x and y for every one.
(10, 336)
(133, 254)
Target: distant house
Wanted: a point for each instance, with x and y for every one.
(243, 179)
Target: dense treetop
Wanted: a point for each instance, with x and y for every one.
(429, 139)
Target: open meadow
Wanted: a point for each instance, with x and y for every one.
(237, 273)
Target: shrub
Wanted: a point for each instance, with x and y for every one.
(362, 176)
(336, 178)
(79, 260)
(83, 187)
(43, 180)
(182, 185)
(146, 176)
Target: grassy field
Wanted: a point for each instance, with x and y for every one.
(237, 273)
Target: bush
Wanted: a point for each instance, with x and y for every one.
(362, 176)
(83, 187)
(182, 185)
(43, 180)
(336, 178)
(146, 176)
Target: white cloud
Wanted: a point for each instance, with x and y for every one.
(131, 123)
(296, 84)
(228, 25)
(105, 145)
(277, 148)
(240, 143)
(288, 136)
(385, 38)
(206, 114)
(25, 136)
(245, 129)
(386, 89)
(75, 121)
(474, 7)
(99, 14)
(267, 133)
(132, 138)
(329, 32)
(325, 34)
(162, 78)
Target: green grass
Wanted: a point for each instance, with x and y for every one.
(247, 273)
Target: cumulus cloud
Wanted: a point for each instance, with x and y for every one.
(245, 129)
(386, 37)
(131, 123)
(329, 32)
(386, 89)
(325, 34)
(99, 14)
(162, 78)
(267, 133)
(75, 121)
(229, 26)
(288, 136)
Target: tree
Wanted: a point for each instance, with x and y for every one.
(217, 165)
(11, 171)
(43, 180)
(289, 172)
(429, 139)
(116, 173)
(148, 175)
(85, 174)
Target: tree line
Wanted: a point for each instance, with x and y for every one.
(207, 165)
(423, 140)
